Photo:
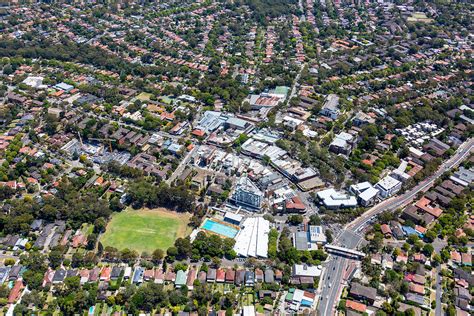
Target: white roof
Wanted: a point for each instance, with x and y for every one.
(342, 139)
(247, 185)
(459, 181)
(345, 136)
(233, 216)
(64, 86)
(369, 194)
(400, 174)
(298, 295)
(360, 187)
(403, 166)
(338, 142)
(248, 310)
(35, 82)
(292, 119)
(331, 197)
(306, 270)
(252, 240)
(416, 152)
(316, 234)
(388, 183)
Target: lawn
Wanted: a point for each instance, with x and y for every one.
(144, 96)
(145, 230)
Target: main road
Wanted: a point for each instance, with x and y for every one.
(350, 237)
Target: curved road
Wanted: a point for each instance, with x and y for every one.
(349, 237)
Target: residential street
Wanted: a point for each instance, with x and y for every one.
(439, 292)
(182, 165)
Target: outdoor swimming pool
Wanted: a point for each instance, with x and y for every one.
(218, 228)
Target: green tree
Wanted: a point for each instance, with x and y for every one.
(295, 219)
(157, 255)
(428, 250)
(55, 258)
(314, 220)
(172, 252)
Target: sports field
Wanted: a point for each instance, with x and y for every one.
(145, 230)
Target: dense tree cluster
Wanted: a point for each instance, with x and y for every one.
(265, 8)
(68, 51)
(69, 204)
(204, 246)
(146, 193)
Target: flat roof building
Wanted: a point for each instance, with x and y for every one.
(368, 197)
(365, 192)
(359, 187)
(463, 176)
(233, 218)
(388, 186)
(317, 235)
(304, 270)
(252, 239)
(333, 199)
(300, 240)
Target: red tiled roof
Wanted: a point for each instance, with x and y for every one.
(295, 203)
(191, 277)
(455, 256)
(417, 288)
(409, 277)
(159, 275)
(198, 132)
(78, 240)
(15, 292)
(385, 229)
(230, 275)
(105, 273)
(31, 180)
(420, 229)
(148, 274)
(424, 204)
(466, 258)
(220, 275)
(359, 307)
(167, 116)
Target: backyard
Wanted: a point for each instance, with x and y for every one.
(145, 229)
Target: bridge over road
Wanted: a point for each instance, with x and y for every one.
(345, 252)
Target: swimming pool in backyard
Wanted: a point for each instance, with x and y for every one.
(219, 228)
